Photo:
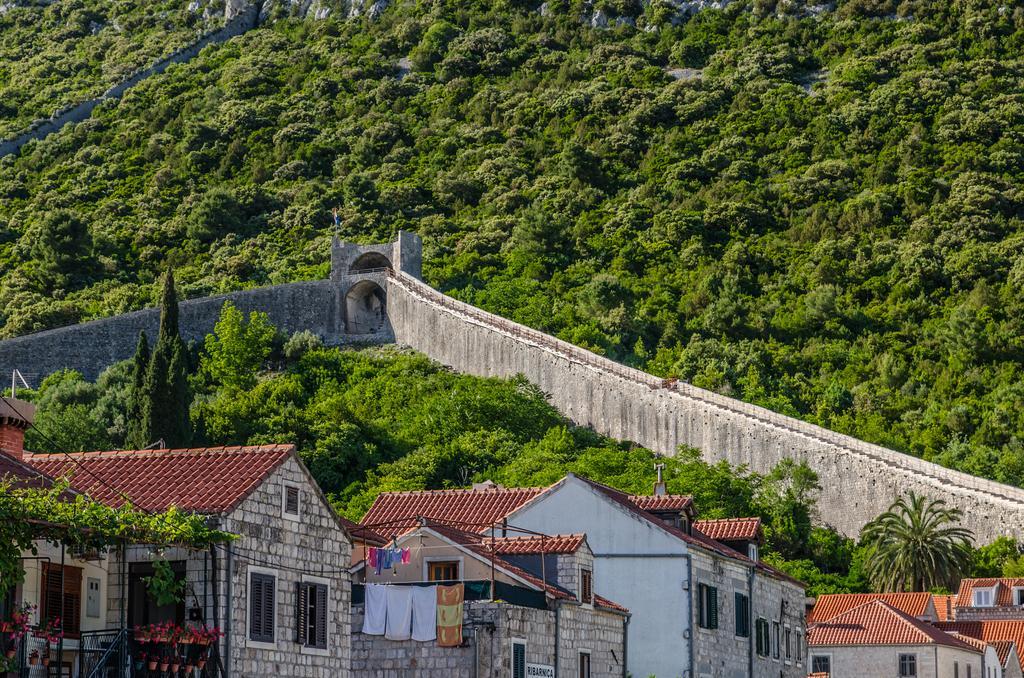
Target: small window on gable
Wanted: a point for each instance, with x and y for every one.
(443, 570)
(821, 663)
(586, 586)
(983, 597)
(752, 552)
(1018, 596)
(291, 501)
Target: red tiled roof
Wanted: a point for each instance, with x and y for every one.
(878, 623)
(944, 610)
(601, 601)
(556, 543)
(661, 502)
(831, 605)
(1004, 590)
(991, 632)
(1003, 648)
(730, 529)
(204, 480)
(396, 512)
(363, 534)
(979, 645)
(22, 475)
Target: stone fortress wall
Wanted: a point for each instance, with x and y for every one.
(368, 301)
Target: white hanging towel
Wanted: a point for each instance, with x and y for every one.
(376, 609)
(399, 613)
(424, 613)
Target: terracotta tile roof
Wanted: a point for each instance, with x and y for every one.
(979, 645)
(878, 623)
(1004, 590)
(730, 529)
(1003, 648)
(556, 543)
(661, 502)
(204, 480)
(944, 610)
(831, 605)
(480, 545)
(396, 512)
(991, 632)
(22, 475)
(362, 534)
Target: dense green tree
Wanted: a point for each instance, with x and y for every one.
(138, 434)
(238, 348)
(917, 545)
(166, 398)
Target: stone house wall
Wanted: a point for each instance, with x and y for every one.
(314, 548)
(721, 653)
(489, 629)
(860, 661)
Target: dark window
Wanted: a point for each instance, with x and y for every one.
(908, 666)
(586, 586)
(821, 664)
(518, 660)
(776, 639)
(799, 646)
(261, 607)
(742, 616)
(789, 643)
(311, 615)
(707, 606)
(761, 629)
(62, 597)
(291, 500)
(584, 665)
(1019, 595)
(443, 571)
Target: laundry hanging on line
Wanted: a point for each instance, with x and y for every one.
(386, 558)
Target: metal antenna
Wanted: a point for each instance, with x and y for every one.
(16, 376)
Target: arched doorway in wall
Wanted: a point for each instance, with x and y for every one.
(366, 308)
(368, 262)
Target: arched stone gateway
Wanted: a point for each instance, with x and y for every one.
(366, 309)
(370, 261)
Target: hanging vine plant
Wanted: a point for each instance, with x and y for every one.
(58, 515)
(164, 586)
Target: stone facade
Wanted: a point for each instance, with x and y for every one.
(312, 548)
(489, 629)
(859, 661)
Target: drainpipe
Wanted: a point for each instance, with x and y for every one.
(625, 647)
(227, 613)
(750, 618)
(558, 608)
(689, 611)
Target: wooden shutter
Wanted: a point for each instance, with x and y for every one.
(301, 608)
(742, 616)
(321, 616)
(587, 586)
(61, 596)
(712, 607)
(291, 500)
(261, 607)
(518, 660)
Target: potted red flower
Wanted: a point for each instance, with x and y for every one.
(33, 657)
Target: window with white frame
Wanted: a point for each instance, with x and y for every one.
(584, 664)
(311, 614)
(1018, 595)
(518, 659)
(821, 663)
(290, 501)
(908, 666)
(983, 597)
(752, 552)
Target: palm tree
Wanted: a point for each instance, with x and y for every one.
(917, 545)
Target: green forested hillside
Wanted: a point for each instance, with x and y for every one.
(821, 215)
(55, 54)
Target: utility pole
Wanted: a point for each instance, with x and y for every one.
(17, 376)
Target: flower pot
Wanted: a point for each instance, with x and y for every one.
(175, 667)
(46, 661)
(33, 660)
(10, 654)
(152, 665)
(200, 664)
(163, 666)
(188, 668)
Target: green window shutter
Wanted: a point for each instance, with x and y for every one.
(742, 616)
(320, 625)
(712, 607)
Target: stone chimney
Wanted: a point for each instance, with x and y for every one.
(15, 416)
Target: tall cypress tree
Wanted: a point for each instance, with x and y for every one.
(136, 436)
(165, 412)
